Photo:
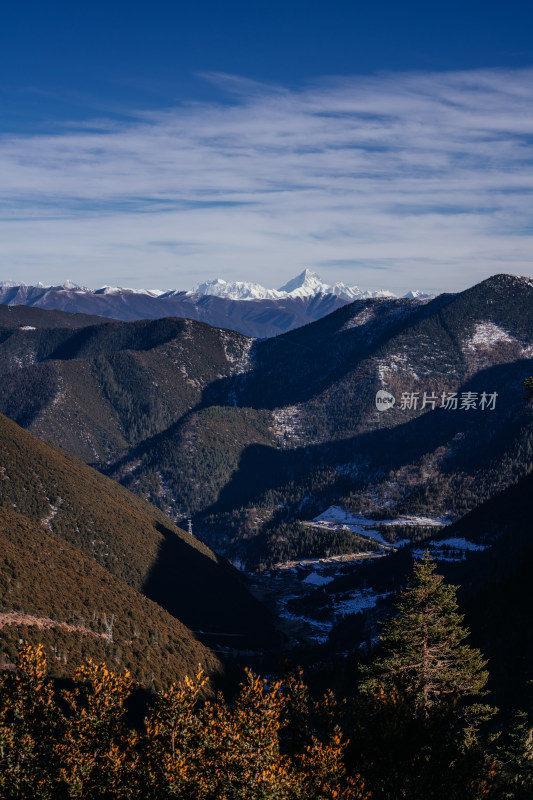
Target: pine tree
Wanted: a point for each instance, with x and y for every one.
(417, 720)
(528, 386)
(425, 658)
(515, 779)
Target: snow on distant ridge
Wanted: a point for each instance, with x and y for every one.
(304, 284)
(119, 289)
(416, 294)
(238, 290)
(307, 284)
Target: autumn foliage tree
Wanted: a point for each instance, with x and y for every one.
(240, 752)
(76, 744)
(97, 752)
(28, 728)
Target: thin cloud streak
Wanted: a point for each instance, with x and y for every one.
(431, 173)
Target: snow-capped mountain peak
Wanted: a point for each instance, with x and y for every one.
(238, 290)
(124, 290)
(305, 284)
(416, 294)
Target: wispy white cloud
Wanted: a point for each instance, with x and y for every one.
(398, 180)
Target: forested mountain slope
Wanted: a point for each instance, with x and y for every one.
(247, 435)
(129, 538)
(52, 593)
(101, 389)
(488, 553)
(313, 391)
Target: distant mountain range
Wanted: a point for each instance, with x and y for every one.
(306, 284)
(245, 436)
(265, 312)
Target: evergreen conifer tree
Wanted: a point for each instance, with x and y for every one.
(418, 717)
(515, 756)
(425, 656)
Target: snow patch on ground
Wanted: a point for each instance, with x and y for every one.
(60, 395)
(187, 334)
(358, 601)
(487, 334)
(27, 328)
(451, 549)
(47, 521)
(339, 514)
(287, 423)
(359, 319)
(458, 544)
(317, 580)
(392, 365)
(237, 352)
(336, 516)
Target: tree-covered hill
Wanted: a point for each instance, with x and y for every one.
(323, 441)
(246, 435)
(28, 317)
(52, 593)
(102, 389)
(125, 535)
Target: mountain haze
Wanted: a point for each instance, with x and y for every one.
(266, 312)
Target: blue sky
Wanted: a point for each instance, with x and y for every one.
(386, 145)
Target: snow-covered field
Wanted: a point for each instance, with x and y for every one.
(343, 515)
(487, 334)
(358, 601)
(315, 579)
(457, 544)
(452, 549)
(336, 516)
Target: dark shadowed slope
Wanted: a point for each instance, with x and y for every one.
(52, 593)
(127, 536)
